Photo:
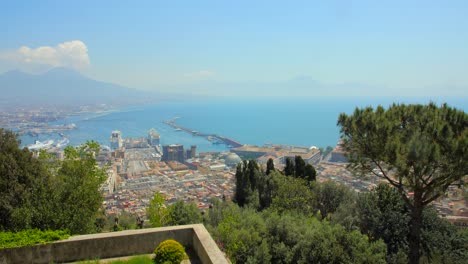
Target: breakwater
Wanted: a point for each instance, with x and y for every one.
(216, 139)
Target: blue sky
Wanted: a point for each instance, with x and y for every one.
(231, 47)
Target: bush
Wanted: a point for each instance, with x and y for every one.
(169, 252)
(30, 237)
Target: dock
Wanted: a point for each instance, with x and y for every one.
(210, 137)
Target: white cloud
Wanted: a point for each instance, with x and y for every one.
(200, 74)
(71, 54)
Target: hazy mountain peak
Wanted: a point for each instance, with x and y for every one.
(63, 73)
(14, 73)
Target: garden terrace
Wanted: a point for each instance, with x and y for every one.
(117, 244)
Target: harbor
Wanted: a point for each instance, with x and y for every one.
(215, 139)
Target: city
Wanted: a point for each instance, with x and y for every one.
(139, 167)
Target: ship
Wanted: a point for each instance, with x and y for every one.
(40, 145)
(62, 143)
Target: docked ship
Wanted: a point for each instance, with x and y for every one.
(62, 143)
(40, 145)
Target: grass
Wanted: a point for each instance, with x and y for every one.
(144, 259)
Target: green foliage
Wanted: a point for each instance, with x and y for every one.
(292, 194)
(169, 252)
(270, 166)
(126, 221)
(77, 194)
(326, 151)
(157, 212)
(30, 237)
(443, 242)
(144, 259)
(46, 193)
(382, 214)
(248, 236)
(416, 148)
(182, 213)
(329, 196)
(310, 173)
(247, 176)
(25, 187)
(289, 167)
(299, 169)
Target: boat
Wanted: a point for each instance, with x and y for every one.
(40, 145)
(177, 129)
(62, 143)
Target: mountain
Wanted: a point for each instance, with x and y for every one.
(61, 86)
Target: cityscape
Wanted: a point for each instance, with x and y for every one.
(234, 132)
(139, 167)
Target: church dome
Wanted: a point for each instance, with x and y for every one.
(232, 159)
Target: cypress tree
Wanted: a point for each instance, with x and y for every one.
(289, 168)
(270, 166)
(299, 165)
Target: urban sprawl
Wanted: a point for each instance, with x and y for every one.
(139, 167)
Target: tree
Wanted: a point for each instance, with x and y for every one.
(157, 212)
(253, 173)
(289, 168)
(418, 149)
(329, 196)
(76, 190)
(299, 167)
(291, 194)
(248, 236)
(383, 214)
(184, 213)
(248, 176)
(47, 193)
(270, 166)
(24, 187)
(243, 189)
(310, 173)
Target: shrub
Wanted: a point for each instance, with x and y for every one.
(169, 252)
(30, 237)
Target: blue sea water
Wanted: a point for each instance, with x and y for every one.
(302, 122)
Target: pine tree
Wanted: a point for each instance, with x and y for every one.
(419, 149)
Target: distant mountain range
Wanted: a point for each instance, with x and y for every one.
(61, 86)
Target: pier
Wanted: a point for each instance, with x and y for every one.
(210, 137)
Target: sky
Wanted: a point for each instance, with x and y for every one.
(334, 47)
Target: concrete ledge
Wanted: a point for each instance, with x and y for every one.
(117, 244)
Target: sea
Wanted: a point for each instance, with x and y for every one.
(299, 121)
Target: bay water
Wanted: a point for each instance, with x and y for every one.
(300, 122)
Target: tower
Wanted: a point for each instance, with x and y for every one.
(116, 141)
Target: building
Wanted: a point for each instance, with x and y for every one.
(338, 154)
(153, 137)
(279, 153)
(232, 159)
(191, 153)
(173, 153)
(116, 141)
(309, 155)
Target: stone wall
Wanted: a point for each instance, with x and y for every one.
(117, 244)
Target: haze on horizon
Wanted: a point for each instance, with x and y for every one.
(399, 48)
